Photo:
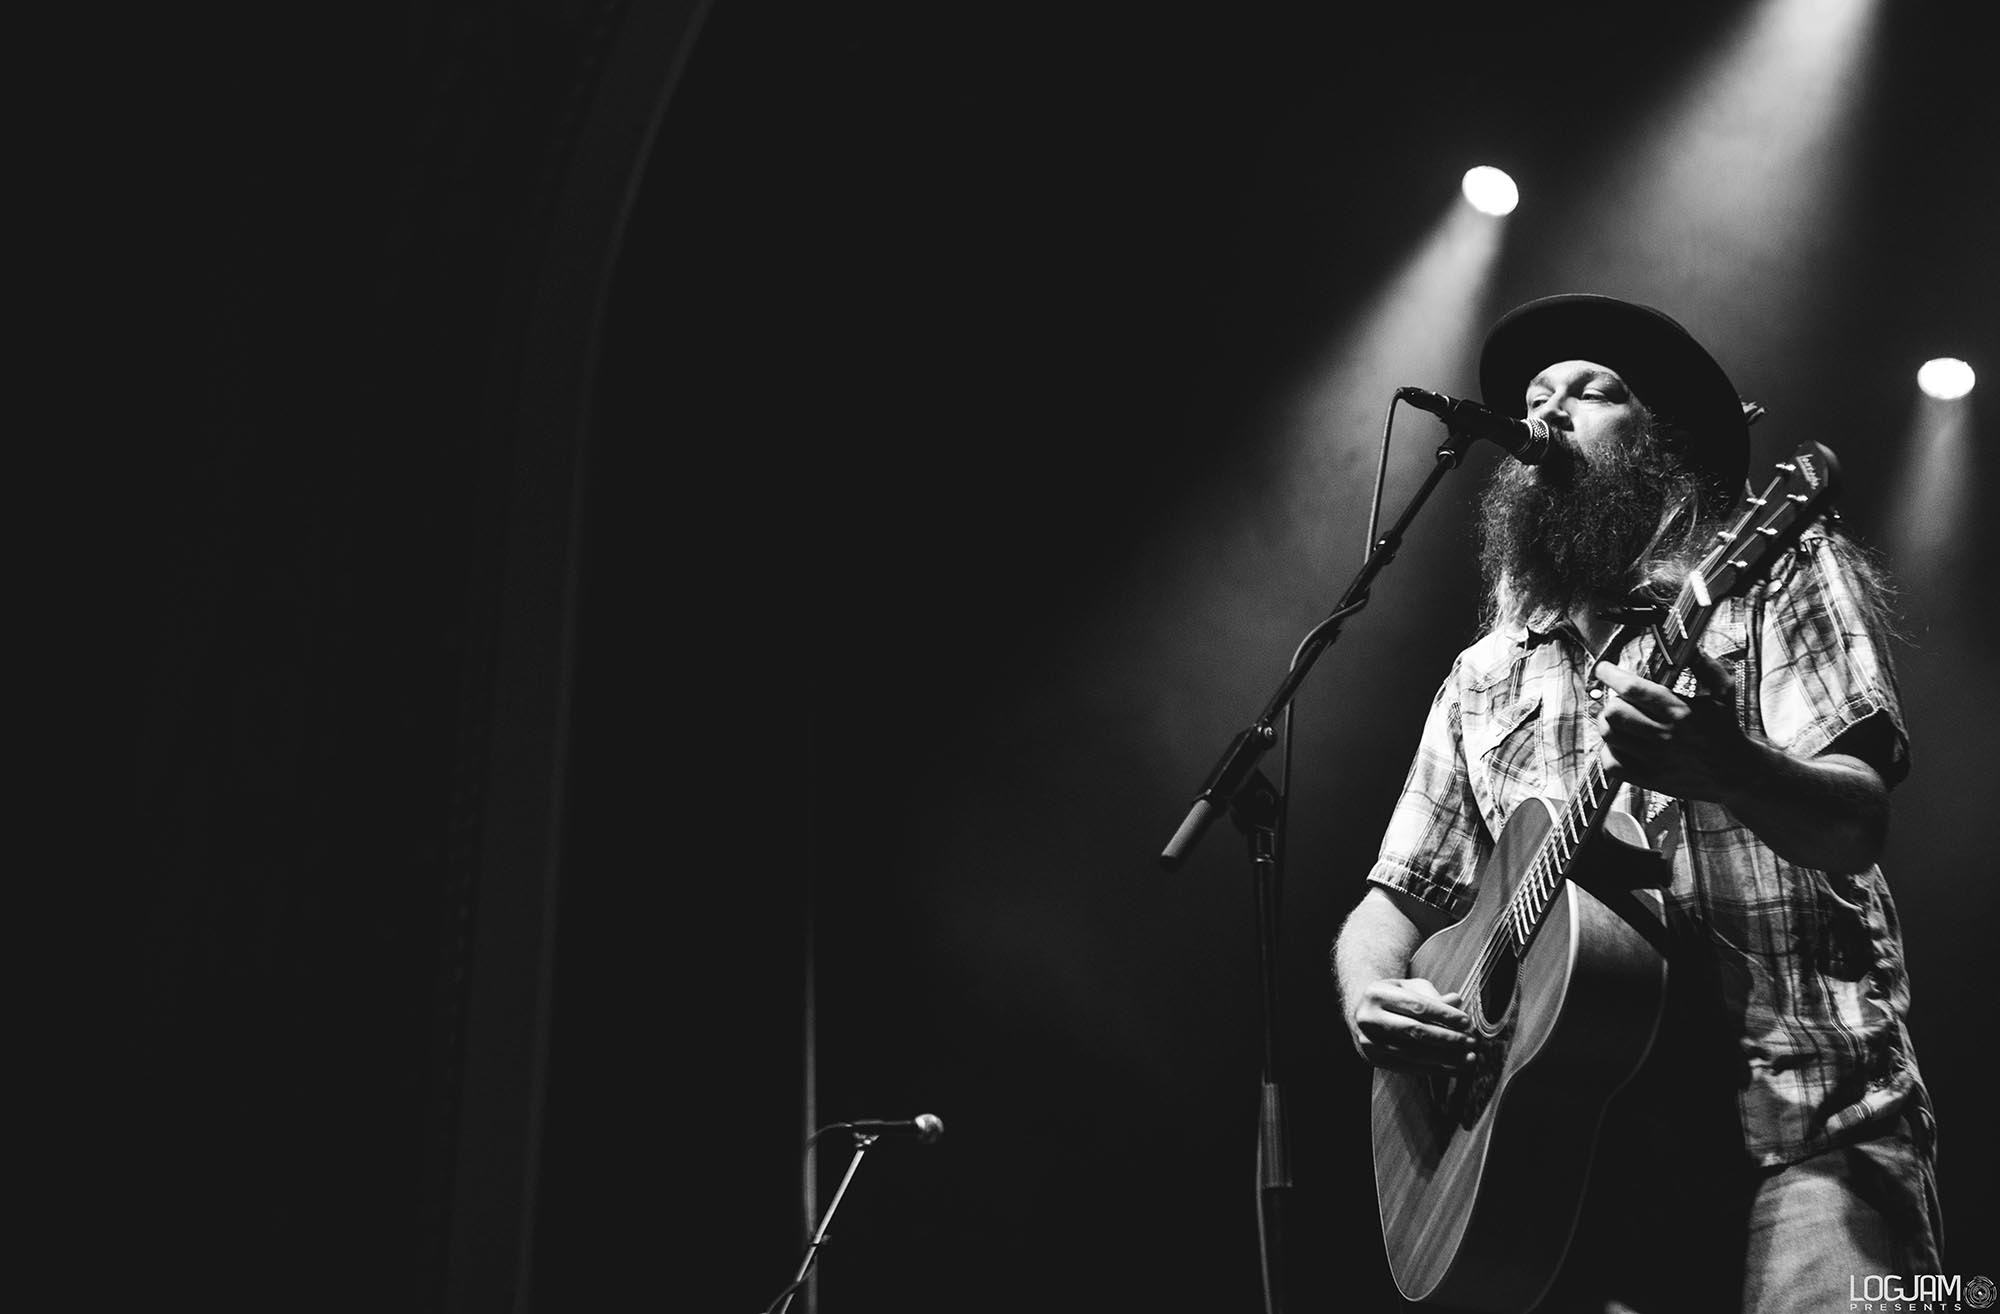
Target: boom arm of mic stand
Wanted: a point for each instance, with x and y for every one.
(1240, 759)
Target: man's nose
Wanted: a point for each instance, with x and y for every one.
(1552, 412)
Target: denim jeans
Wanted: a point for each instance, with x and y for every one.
(1670, 1226)
(1819, 1225)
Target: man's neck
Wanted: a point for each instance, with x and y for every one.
(1595, 628)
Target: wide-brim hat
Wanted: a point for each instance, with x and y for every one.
(1661, 362)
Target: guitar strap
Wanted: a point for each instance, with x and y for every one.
(1658, 814)
(1749, 708)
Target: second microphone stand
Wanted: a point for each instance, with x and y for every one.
(783, 1301)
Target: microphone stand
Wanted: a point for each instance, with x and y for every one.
(783, 1300)
(1257, 807)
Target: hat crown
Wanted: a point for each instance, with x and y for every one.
(1666, 368)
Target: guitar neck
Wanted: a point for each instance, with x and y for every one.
(1678, 633)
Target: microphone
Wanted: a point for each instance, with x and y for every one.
(926, 1127)
(1531, 441)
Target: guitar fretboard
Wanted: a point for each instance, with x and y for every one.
(1579, 821)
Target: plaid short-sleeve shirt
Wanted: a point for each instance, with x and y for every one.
(1814, 979)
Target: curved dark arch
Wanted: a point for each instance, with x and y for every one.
(546, 346)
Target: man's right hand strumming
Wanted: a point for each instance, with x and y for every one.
(1395, 1020)
(1405, 1024)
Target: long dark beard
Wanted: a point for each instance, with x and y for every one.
(1560, 534)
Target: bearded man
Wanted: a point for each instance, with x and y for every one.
(1778, 1140)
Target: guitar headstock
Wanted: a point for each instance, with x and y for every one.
(1801, 490)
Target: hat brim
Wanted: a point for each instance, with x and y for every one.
(1662, 363)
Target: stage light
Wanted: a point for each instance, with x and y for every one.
(1945, 378)
(1490, 190)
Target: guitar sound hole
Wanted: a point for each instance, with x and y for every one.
(1498, 992)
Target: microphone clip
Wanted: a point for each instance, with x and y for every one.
(1644, 613)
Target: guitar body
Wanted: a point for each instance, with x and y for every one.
(1480, 1176)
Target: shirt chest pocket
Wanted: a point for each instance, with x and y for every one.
(1504, 751)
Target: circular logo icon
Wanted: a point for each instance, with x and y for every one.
(1980, 1292)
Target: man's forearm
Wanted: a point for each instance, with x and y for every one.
(1375, 943)
(1829, 812)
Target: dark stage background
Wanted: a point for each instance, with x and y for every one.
(653, 517)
